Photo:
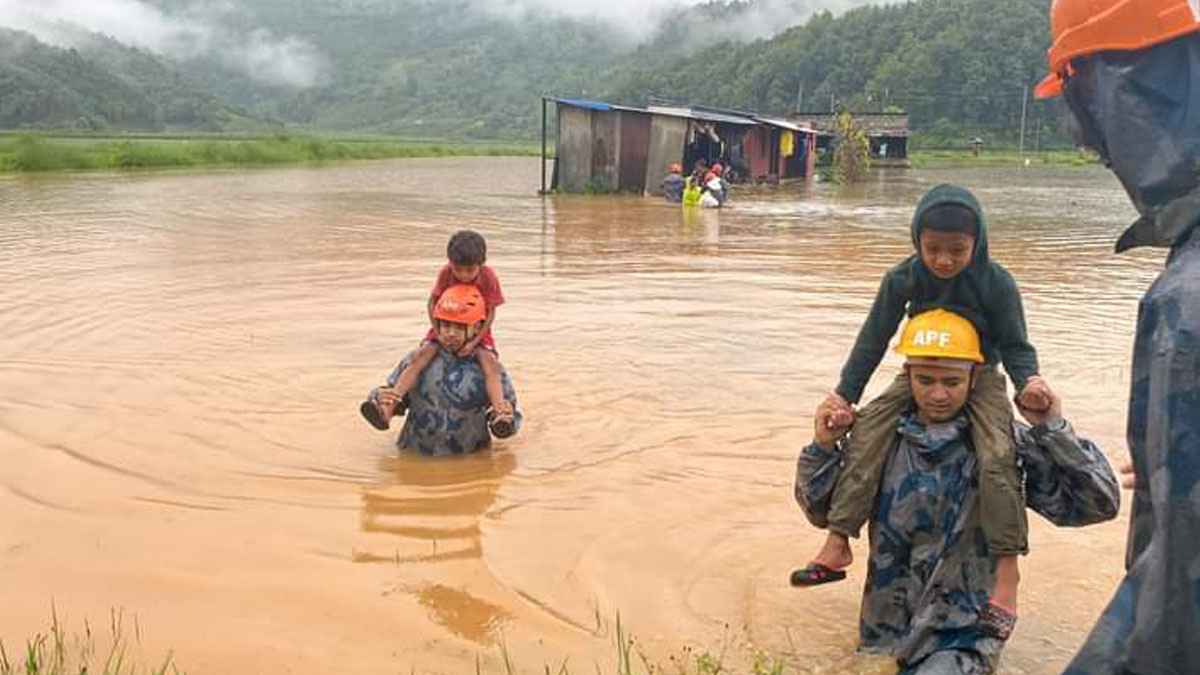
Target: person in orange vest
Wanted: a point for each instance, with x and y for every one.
(1129, 70)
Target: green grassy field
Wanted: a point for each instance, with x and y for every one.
(939, 158)
(20, 152)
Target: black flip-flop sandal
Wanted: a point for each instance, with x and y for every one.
(815, 574)
(501, 426)
(371, 412)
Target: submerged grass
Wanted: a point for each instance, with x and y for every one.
(631, 659)
(57, 653)
(27, 151)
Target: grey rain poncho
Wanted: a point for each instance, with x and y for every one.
(1141, 111)
(447, 409)
(929, 573)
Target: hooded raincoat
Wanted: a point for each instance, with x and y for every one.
(930, 571)
(1142, 111)
(984, 293)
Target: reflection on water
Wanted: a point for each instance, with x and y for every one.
(430, 508)
(466, 616)
(184, 353)
(428, 511)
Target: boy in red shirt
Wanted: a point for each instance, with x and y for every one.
(467, 253)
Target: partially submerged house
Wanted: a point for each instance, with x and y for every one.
(887, 132)
(609, 148)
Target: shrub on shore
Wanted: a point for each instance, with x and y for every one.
(56, 652)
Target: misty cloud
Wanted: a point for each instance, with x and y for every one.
(639, 19)
(200, 31)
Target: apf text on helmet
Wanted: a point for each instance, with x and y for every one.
(931, 338)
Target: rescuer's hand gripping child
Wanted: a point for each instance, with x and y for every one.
(950, 270)
(466, 253)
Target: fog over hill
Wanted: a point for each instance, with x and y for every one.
(478, 68)
(641, 19)
(181, 32)
(238, 35)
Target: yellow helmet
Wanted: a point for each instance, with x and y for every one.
(940, 334)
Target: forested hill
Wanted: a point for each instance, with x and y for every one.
(956, 66)
(102, 85)
(451, 68)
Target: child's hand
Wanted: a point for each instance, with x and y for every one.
(1035, 396)
(1051, 409)
(841, 414)
(828, 424)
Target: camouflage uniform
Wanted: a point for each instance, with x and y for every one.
(447, 408)
(930, 572)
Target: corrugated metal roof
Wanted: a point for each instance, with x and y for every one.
(702, 115)
(784, 124)
(596, 105)
(689, 113)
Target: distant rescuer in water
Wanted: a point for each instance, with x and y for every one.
(1129, 70)
(673, 184)
(930, 571)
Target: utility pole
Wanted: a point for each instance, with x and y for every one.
(543, 190)
(1024, 105)
(800, 98)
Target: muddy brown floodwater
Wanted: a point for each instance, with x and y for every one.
(182, 356)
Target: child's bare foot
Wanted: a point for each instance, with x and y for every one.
(501, 420)
(835, 553)
(1004, 592)
(999, 617)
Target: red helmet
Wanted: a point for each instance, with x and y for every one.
(461, 304)
(1079, 27)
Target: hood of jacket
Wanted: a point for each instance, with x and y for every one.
(961, 196)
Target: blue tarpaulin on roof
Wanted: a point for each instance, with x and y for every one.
(580, 103)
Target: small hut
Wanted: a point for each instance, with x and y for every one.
(886, 132)
(603, 147)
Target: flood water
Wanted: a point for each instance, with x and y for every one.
(182, 357)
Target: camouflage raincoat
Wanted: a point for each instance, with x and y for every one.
(1141, 111)
(447, 409)
(929, 572)
(1152, 624)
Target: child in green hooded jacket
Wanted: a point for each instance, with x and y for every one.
(950, 270)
